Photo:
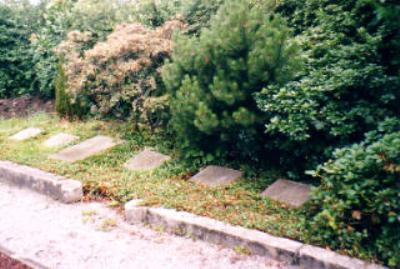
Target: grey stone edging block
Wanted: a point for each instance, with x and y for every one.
(259, 243)
(58, 187)
(311, 257)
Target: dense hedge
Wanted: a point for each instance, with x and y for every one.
(15, 58)
(346, 92)
(351, 81)
(357, 206)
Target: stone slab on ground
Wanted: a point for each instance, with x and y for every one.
(259, 243)
(60, 139)
(26, 134)
(93, 236)
(289, 192)
(216, 175)
(86, 149)
(147, 160)
(57, 187)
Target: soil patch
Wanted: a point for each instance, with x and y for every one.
(9, 263)
(24, 106)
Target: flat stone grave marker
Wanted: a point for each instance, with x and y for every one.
(216, 175)
(288, 192)
(60, 139)
(26, 134)
(85, 149)
(146, 160)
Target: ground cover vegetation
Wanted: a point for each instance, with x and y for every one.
(305, 89)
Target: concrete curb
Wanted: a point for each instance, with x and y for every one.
(259, 243)
(57, 187)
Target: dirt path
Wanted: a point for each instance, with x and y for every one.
(93, 236)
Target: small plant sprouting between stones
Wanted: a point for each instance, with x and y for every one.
(108, 224)
(114, 203)
(180, 231)
(89, 213)
(88, 216)
(158, 228)
(242, 250)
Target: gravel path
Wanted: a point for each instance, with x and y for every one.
(90, 235)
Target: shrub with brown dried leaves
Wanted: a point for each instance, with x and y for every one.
(120, 77)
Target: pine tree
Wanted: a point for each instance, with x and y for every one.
(213, 78)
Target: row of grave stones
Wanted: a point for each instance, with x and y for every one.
(289, 192)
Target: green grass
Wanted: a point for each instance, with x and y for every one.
(167, 186)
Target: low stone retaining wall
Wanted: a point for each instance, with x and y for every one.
(59, 188)
(259, 243)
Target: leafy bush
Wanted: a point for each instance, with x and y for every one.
(15, 57)
(56, 22)
(120, 76)
(351, 81)
(155, 13)
(196, 13)
(357, 206)
(99, 17)
(212, 79)
(48, 23)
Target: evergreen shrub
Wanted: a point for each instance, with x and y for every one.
(351, 81)
(64, 106)
(212, 80)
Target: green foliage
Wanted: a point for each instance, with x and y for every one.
(155, 13)
(33, 65)
(15, 58)
(56, 22)
(99, 17)
(350, 83)
(212, 80)
(357, 206)
(64, 106)
(198, 14)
